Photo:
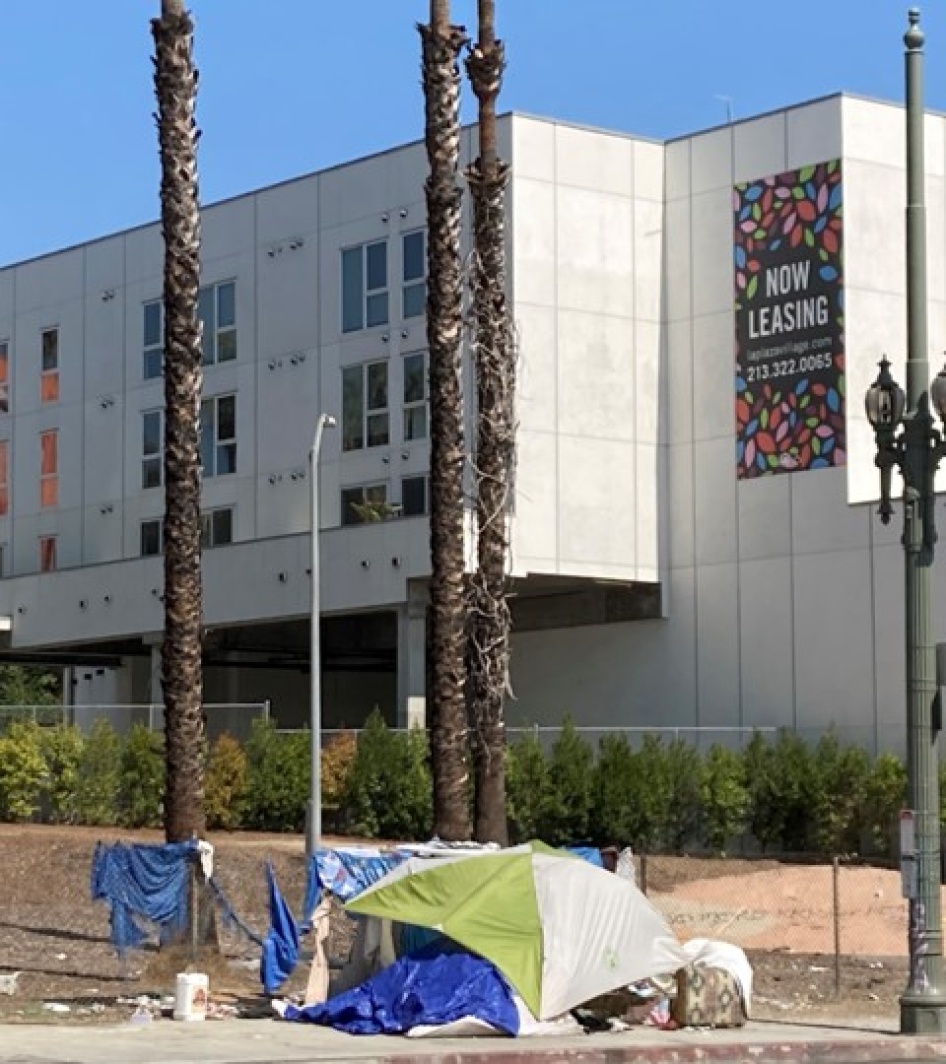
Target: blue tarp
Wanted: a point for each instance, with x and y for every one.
(148, 881)
(346, 873)
(281, 948)
(438, 984)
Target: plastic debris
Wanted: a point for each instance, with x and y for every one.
(56, 1006)
(8, 983)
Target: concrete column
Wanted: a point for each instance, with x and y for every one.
(412, 658)
(155, 689)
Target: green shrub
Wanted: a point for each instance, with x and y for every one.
(277, 777)
(682, 769)
(566, 817)
(885, 796)
(614, 821)
(724, 796)
(651, 795)
(528, 789)
(388, 793)
(839, 777)
(225, 784)
(61, 748)
(99, 775)
(22, 771)
(141, 779)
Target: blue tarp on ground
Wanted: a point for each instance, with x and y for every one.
(438, 984)
(139, 880)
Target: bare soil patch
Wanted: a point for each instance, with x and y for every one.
(58, 938)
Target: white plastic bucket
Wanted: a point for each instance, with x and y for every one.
(191, 995)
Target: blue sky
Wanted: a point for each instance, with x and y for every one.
(290, 86)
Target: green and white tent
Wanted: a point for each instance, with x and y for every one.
(560, 929)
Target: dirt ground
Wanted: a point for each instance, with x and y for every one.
(58, 939)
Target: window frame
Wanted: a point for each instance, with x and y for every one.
(369, 296)
(4, 376)
(371, 419)
(219, 445)
(148, 524)
(410, 406)
(425, 511)
(378, 487)
(49, 475)
(208, 521)
(152, 365)
(151, 369)
(4, 477)
(416, 282)
(48, 554)
(49, 373)
(152, 459)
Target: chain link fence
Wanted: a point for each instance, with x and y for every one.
(839, 922)
(235, 718)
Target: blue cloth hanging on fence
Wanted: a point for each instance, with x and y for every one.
(281, 948)
(142, 881)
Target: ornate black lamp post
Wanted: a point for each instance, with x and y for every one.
(907, 437)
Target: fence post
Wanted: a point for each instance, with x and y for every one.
(643, 858)
(836, 893)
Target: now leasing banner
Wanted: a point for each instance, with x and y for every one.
(789, 322)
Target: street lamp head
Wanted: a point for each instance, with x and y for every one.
(938, 394)
(329, 421)
(885, 400)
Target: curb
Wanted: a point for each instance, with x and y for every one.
(842, 1051)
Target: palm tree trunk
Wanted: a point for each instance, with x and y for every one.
(181, 676)
(442, 43)
(494, 359)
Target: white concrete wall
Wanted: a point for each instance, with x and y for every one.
(587, 246)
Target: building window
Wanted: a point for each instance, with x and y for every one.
(414, 269)
(4, 477)
(47, 554)
(218, 449)
(152, 448)
(49, 469)
(152, 537)
(4, 376)
(49, 377)
(365, 286)
(216, 308)
(216, 527)
(153, 340)
(415, 396)
(414, 496)
(365, 504)
(365, 406)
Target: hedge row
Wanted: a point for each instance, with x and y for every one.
(658, 796)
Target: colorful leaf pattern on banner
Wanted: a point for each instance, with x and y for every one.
(797, 424)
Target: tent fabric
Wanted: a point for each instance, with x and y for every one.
(147, 881)
(560, 929)
(281, 947)
(438, 985)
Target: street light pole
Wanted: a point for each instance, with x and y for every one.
(313, 827)
(907, 437)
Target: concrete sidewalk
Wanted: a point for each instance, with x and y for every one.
(258, 1041)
